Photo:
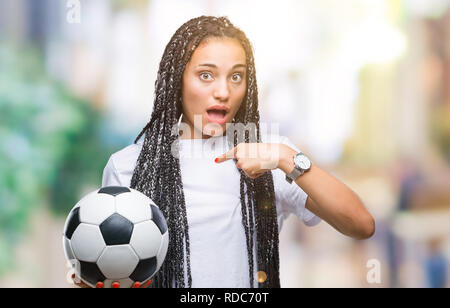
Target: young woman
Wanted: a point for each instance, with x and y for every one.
(224, 191)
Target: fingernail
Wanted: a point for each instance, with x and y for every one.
(115, 285)
(216, 160)
(99, 285)
(136, 285)
(148, 283)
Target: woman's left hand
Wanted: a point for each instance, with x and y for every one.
(257, 158)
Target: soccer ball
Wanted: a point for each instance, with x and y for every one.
(115, 234)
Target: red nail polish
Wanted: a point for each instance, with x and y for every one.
(148, 283)
(136, 285)
(115, 285)
(99, 285)
(216, 160)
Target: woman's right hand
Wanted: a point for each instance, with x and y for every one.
(79, 283)
(99, 285)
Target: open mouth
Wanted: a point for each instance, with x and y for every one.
(217, 115)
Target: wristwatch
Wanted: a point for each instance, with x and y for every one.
(301, 165)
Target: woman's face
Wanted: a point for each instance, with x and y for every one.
(213, 87)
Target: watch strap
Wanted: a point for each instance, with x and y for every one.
(293, 175)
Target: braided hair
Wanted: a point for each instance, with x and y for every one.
(157, 172)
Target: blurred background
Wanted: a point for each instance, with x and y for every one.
(362, 86)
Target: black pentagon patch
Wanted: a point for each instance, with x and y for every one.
(158, 218)
(72, 223)
(114, 190)
(116, 230)
(144, 270)
(91, 273)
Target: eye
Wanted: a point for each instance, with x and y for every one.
(236, 77)
(202, 76)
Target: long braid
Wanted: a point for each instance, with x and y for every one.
(157, 173)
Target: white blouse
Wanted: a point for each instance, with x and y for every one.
(218, 249)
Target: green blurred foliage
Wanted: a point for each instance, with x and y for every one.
(52, 145)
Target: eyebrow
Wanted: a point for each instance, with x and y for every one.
(215, 66)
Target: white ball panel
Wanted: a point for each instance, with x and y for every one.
(118, 262)
(68, 252)
(134, 206)
(95, 208)
(163, 250)
(87, 243)
(146, 239)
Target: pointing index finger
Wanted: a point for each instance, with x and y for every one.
(226, 156)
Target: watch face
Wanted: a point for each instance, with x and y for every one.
(302, 161)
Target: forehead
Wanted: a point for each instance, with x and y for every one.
(223, 51)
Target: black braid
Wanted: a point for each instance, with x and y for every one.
(157, 173)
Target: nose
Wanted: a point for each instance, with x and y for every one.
(221, 91)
